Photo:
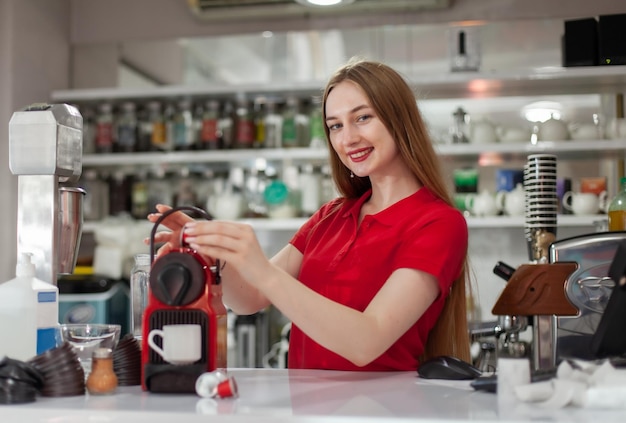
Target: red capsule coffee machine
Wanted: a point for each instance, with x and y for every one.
(184, 289)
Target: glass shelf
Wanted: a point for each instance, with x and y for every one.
(524, 82)
(592, 149)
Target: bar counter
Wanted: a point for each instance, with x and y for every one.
(301, 396)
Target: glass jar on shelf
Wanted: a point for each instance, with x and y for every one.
(160, 190)
(144, 131)
(127, 128)
(258, 115)
(226, 126)
(156, 127)
(244, 125)
(209, 133)
(316, 124)
(272, 122)
(104, 128)
(89, 129)
(139, 195)
(182, 130)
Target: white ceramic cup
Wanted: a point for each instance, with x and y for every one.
(182, 344)
(583, 203)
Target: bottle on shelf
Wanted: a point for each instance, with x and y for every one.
(89, 130)
(289, 128)
(183, 127)
(310, 186)
(168, 118)
(244, 125)
(160, 189)
(139, 195)
(185, 194)
(156, 125)
(303, 129)
(119, 193)
(209, 133)
(226, 126)
(272, 124)
(256, 181)
(316, 124)
(258, 116)
(104, 129)
(617, 209)
(144, 130)
(127, 128)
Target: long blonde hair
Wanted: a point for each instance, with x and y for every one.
(395, 104)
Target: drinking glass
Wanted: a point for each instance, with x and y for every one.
(85, 338)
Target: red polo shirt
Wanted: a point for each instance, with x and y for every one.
(349, 264)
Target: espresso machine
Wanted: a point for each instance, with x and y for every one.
(45, 152)
(184, 290)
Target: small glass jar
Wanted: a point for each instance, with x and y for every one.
(139, 280)
(102, 380)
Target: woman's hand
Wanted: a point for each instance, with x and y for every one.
(175, 222)
(232, 243)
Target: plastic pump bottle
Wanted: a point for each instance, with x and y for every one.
(29, 310)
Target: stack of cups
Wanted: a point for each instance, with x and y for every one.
(541, 205)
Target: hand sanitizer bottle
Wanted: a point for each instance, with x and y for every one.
(29, 310)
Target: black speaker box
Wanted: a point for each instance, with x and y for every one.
(612, 39)
(580, 42)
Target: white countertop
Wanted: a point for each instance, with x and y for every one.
(277, 395)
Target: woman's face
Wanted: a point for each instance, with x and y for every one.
(357, 135)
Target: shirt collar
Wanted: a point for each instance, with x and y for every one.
(389, 216)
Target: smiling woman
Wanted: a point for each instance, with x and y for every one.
(375, 280)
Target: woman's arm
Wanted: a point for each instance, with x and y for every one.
(243, 297)
(360, 337)
(240, 296)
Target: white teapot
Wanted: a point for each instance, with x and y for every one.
(483, 204)
(482, 131)
(585, 203)
(553, 130)
(584, 131)
(512, 202)
(513, 134)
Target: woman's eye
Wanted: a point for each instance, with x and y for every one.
(334, 126)
(363, 118)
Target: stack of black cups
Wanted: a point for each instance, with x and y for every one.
(541, 205)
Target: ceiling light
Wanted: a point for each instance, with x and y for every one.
(324, 3)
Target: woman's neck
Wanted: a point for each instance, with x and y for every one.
(388, 192)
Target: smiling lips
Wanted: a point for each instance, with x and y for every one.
(360, 155)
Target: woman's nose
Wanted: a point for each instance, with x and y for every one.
(349, 135)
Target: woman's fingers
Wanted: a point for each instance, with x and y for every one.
(224, 240)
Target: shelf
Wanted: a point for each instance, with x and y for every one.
(592, 149)
(527, 82)
(214, 156)
(579, 149)
(518, 221)
(472, 222)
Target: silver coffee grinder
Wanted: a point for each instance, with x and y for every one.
(45, 152)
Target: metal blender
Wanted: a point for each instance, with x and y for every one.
(45, 152)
